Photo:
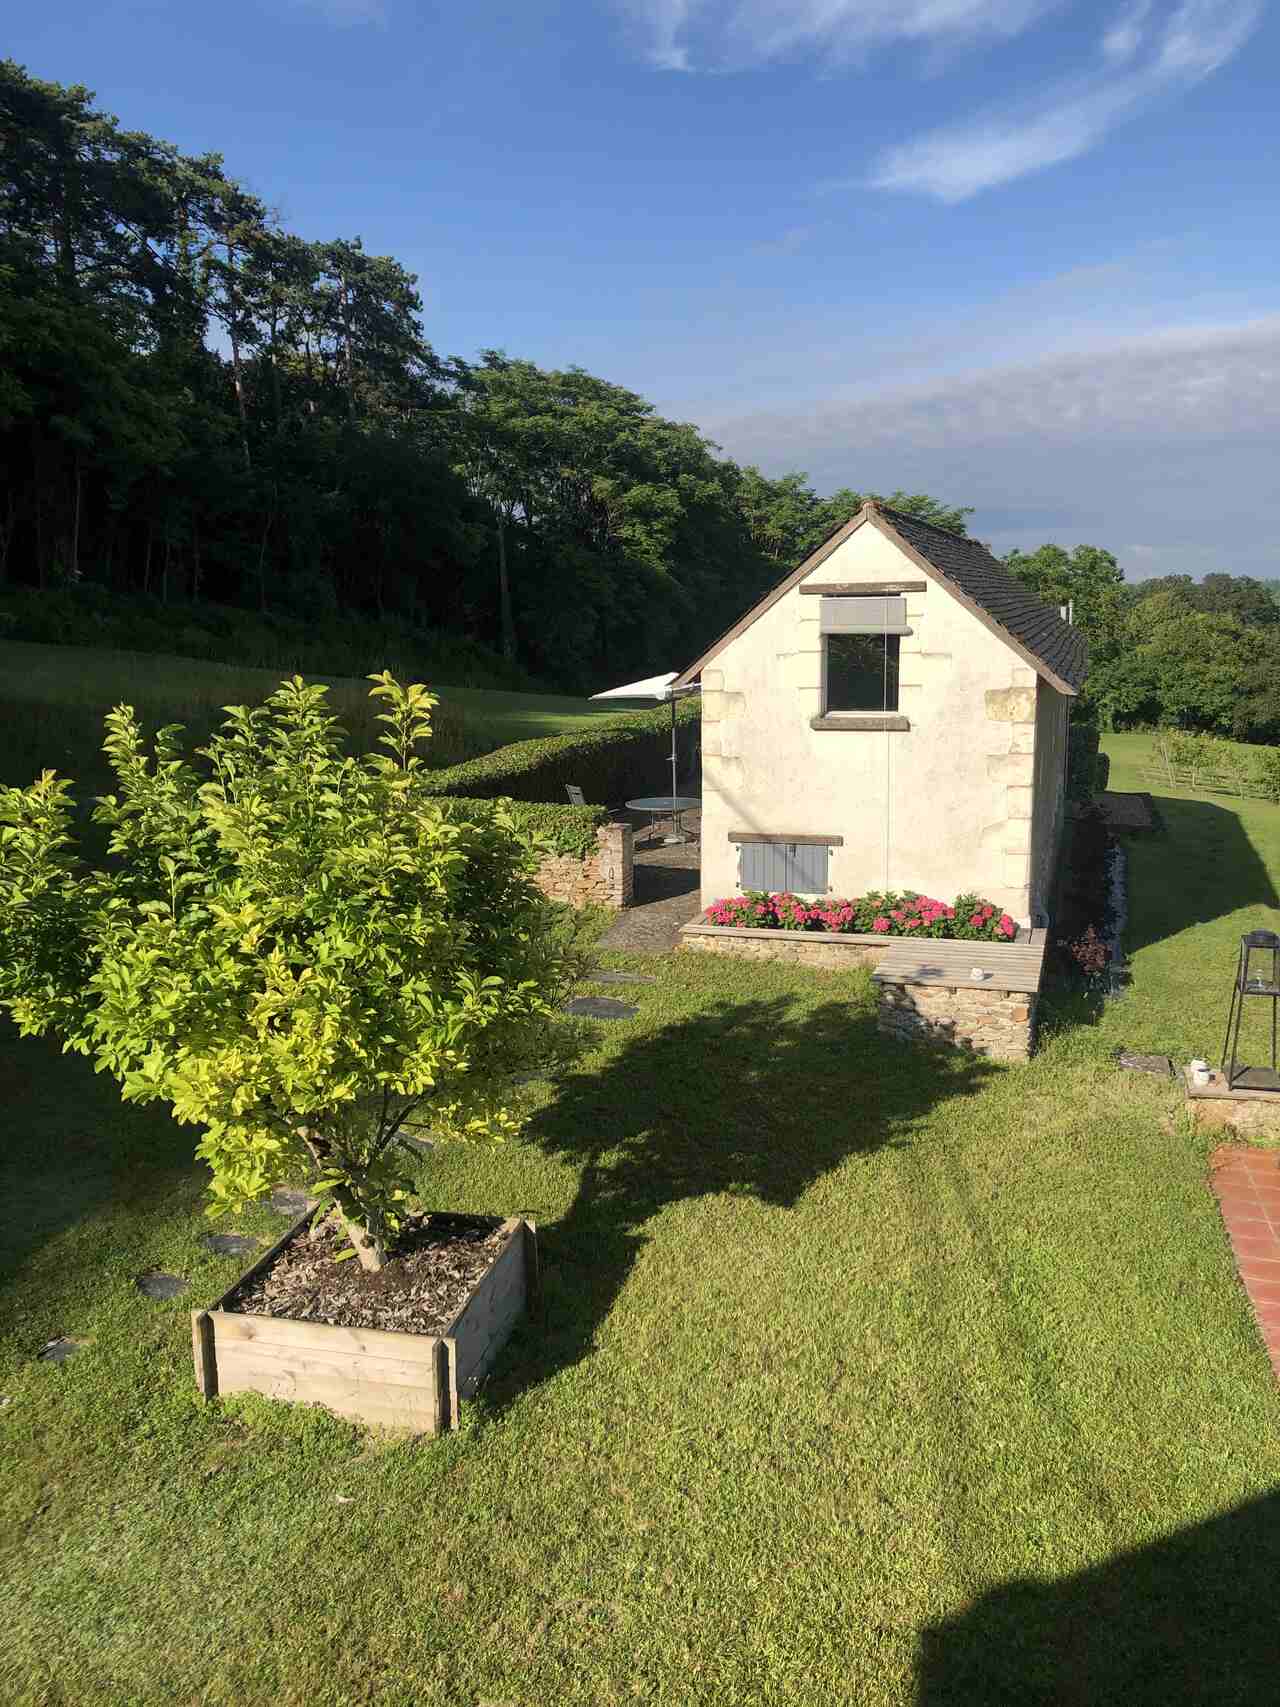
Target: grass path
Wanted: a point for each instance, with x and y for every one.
(52, 700)
(863, 1375)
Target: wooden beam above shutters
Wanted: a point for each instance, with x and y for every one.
(786, 836)
(862, 589)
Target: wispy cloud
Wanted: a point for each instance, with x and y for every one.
(1167, 437)
(735, 35)
(1144, 56)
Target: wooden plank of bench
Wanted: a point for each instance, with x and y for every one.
(1014, 966)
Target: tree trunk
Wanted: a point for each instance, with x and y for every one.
(75, 525)
(362, 1225)
(504, 593)
(236, 367)
(262, 565)
(6, 534)
(367, 1233)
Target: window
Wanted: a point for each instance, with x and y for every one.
(861, 672)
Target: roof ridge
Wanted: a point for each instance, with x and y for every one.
(921, 522)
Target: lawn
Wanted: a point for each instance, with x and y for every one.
(862, 1375)
(52, 701)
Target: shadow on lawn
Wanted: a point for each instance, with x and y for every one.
(1191, 1620)
(744, 1097)
(73, 1148)
(1202, 868)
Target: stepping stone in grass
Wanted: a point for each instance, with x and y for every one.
(422, 1145)
(621, 978)
(287, 1200)
(157, 1285)
(231, 1244)
(600, 1007)
(1160, 1065)
(59, 1350)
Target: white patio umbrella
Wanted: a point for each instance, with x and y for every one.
(659, 688)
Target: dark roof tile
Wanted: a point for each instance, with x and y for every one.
(973, 571)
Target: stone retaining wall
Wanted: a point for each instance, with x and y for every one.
(811, 948)
(998, 1023)
(605, 878)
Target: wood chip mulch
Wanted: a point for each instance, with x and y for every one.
(437, 1262)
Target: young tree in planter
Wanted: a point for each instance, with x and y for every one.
(299, 950)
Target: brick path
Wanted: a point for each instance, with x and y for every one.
(666, 892)
(1246, 1182)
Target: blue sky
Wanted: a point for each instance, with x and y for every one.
(1023, 255)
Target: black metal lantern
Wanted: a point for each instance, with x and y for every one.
(1255, 977)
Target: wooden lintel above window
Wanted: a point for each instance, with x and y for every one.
(860, 589)
(859, 723)
(783, 838)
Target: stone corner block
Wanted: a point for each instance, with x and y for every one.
(1011, 705)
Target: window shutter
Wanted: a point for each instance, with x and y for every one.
(778, 867)
(882, 615)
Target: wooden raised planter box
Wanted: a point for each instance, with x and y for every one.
(391, 1380)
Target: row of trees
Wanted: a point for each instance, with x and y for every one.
(197, 404)
(1199, 655)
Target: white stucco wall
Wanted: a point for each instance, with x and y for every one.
(1049, 784)
(945, 806)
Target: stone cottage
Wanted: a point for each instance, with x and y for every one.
(892, 715)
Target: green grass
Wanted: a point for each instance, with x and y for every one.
(53, 698)
(862, 1375)
(1212, 875)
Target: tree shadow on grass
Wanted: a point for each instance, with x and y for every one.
(762, 1097)
(1203, 867)
(73, 1149)
(1190, 1620)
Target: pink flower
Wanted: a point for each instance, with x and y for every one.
(880, 924)
(975, 918)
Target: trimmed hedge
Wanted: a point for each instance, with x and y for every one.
(560, 829)
(621, 757)
(1088, 769)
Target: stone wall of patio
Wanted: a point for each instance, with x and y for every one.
(605, 878)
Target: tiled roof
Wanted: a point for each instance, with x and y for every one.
(1053, 647)
(1011, 606)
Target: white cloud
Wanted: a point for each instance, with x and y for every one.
(1142, 62)
(1122, 39)
(1168, 437)
(1197, 382)
(734, 35)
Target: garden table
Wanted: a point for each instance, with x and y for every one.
(659, 806)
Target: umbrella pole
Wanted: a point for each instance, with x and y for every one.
(674, 790)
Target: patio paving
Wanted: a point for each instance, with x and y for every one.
(1246, 1182)
(666, 895)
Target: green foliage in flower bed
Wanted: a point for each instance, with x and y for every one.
(622, 757)
(969, 918)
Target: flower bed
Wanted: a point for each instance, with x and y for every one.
(969, 918)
